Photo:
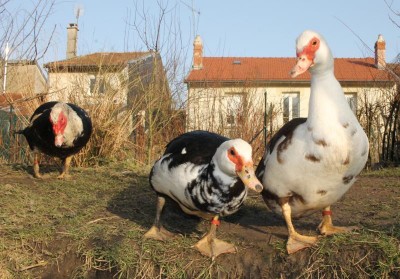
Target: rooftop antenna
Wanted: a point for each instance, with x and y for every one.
(78, 11)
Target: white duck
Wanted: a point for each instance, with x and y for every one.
(207, 175)
(310, 163)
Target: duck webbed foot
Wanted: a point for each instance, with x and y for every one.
(297, 242)
(158, 233)
(327, 228)
(211, 246)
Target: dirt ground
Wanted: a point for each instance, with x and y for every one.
(372, 204)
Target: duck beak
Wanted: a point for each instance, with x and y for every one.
(59, 140)
(248, 176)
(302, 65)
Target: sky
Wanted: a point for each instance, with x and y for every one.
(256, 28)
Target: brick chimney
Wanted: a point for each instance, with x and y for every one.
(380, 53)
(72, 40)
(197, 53)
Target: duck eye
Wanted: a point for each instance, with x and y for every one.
(314, 43)
(232, 152)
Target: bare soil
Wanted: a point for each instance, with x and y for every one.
(372, 204)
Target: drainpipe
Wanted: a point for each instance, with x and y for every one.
(6, 51)
(265, 119)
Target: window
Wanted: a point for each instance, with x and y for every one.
(352, 101)
(92, 83)
(233, 104)
(96, 85)
(291, 106)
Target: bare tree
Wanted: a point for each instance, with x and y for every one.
(22, 28)
(23, 42)
(161, 103)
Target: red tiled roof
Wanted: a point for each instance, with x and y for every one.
(239, 69)
(97, 59)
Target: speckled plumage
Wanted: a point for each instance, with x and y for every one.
(310, 163)
(315, 158)
(208, 176)
(188, 174)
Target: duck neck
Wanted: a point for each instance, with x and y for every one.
(219, 178)
(74, 127)
(326, 100)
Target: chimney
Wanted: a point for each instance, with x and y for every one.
(72, 40)
(380, 53)
(197, 53)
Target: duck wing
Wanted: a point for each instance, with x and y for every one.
(197, 147)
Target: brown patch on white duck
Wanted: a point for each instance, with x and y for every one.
(287, 132)
(312, 158)
(353, 132)
(345, 125)
(322, 192)
(347, 160)
(365, 151)
(346, 179)
(320, 142)
(283, 146)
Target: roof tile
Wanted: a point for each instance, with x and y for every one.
(239, 69)
(98, 58)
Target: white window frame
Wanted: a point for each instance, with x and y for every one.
(291, 96)
(232, 106)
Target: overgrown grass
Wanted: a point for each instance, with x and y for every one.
(92, 224)
(385, 172)
(373, 254)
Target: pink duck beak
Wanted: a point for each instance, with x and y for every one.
(302, 65)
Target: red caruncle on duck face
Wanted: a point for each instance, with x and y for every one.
(310, 49)
(305, 58)
(235, 158)
(58, 128)
(244, 170)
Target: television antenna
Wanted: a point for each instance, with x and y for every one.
(78, 11)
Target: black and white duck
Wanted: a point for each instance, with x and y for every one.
(208, 176)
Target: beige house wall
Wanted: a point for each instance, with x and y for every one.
(26, 79)
(68, 87)
(206, 105)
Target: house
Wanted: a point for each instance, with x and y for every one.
(24, 88)
(86, 76)
(96, 73)
(239, 96)
(93, 74)
(124, 76)
(130, 87)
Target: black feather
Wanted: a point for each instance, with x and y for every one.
(39, 133)
(197, 147)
